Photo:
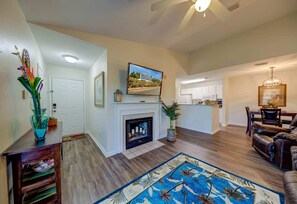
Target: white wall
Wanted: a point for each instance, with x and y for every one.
(119, 53)
(244, 92)
(66, 72)
(277, 38)
(54, 71)
(226, 102)
(95, 118)
(14, 111)
(97, 124)
(199, 118)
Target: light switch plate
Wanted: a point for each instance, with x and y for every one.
(24, 94)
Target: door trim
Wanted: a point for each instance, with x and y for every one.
(84, 96)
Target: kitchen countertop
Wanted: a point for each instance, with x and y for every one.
(187, 104)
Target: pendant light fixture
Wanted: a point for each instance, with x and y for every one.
(272, 80)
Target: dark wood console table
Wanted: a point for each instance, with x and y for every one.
(32, 187)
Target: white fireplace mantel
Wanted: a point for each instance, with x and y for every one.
(125, 110)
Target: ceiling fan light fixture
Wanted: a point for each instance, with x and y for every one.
(202, 5)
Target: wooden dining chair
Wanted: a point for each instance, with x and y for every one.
(271, 116)
(250, 119)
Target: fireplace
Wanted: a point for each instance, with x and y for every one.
(139, 131)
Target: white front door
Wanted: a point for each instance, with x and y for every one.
(67, 104)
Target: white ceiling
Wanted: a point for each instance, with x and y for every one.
(128, 19)
(53, 45)
(280, 63)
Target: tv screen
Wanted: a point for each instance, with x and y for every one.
(144, 81)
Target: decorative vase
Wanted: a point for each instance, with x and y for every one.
(171, 135)
(39, 124)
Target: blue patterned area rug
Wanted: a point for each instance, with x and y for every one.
(187, 180)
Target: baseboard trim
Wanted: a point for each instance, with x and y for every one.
(162, 136)
(205, 132)
(103, 150)
(191, 130)
(237, 125)
(215, 131)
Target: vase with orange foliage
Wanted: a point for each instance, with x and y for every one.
(39, 120)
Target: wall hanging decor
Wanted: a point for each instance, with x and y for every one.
(99, 90)
(275, 96)
(118, 95)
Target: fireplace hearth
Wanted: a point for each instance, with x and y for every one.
(138, 131)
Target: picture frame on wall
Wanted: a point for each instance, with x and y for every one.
(99, 90)
(275, 94)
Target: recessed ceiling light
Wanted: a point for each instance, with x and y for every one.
(70, 58)
(194, 81)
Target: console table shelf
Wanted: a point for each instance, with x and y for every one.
(28, 186)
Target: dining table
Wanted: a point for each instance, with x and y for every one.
(254, 112)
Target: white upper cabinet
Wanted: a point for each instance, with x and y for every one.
(185, 91)
(204, 93)
(212, 95)
(219, 91)
(197, 93)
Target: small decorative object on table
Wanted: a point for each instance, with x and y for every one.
(43, 166)
(271, 104)
(39, 120)
(118, 95)
(52, 122)
(171, 112)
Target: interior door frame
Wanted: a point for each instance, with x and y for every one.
(84, 96)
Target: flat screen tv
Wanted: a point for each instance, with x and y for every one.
(144, 81)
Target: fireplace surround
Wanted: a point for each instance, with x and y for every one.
(137, 110)
(139, 131)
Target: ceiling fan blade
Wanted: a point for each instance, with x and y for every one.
(187, 18)
(156, 17)
(166, 3)
(219, 10)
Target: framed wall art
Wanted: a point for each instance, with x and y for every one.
(99, 90)
(276, 95)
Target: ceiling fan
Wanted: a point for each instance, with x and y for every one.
(215, 6)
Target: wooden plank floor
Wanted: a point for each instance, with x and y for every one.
(87, 175)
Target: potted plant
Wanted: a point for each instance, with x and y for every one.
(39, 120)
(171, 112)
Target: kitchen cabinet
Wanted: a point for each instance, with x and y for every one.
(186, 91)
(212, 93)
(204, 93)
(197, 93)
(219, 91)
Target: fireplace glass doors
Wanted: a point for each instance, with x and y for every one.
(138, 131)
